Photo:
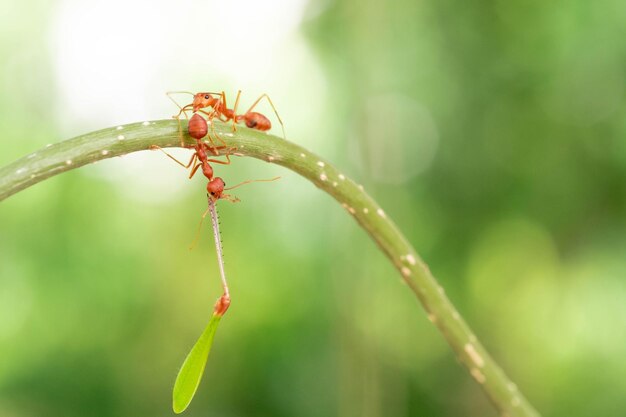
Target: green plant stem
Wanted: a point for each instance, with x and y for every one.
(107, 143)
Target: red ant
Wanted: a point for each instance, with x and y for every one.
(203, 100)
(216, 186)
(198, 129)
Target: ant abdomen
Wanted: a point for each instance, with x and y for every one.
(198, 127)
(257, 121)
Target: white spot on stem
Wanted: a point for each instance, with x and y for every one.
(411, 259)
(335, 183)
(104, 152)
(323, 177)
(120, 127)
(68, 162)
(146, 123)
(360, 187)
(380, 212)
(342, 177)
(19, 171)
(121, 137)
(320, 163)
(474, 355)
(303, 155)
(366, 210)
(406, 272)
(478, 376)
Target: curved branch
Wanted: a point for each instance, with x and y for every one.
(107, 143)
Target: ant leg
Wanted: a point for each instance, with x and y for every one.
(197, 237)
(193, 171)
(228, 114)
(211, 115)
(234, 199)
(180, 126)
(222, 101)
(249, 181)
(230, 198)
(232, 116)
(235, 111)
(222, 116)
(264, 95)
(180, 131)
(217, 161)
(218, 136)
(155, 147)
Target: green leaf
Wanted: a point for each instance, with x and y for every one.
(190, 373)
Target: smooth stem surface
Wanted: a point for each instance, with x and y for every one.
(120, 140)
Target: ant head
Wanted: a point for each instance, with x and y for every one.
(202, 100)
(257, 121)
(215, 187)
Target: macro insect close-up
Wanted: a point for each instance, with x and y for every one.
(312, 208)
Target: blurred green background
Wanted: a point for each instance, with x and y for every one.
(492, 132)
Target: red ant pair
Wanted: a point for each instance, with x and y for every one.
(198, 129)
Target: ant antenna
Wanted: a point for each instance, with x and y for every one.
(169, 95)
(249, 181)
(179, 92)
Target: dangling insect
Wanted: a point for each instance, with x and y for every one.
(190, 374)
